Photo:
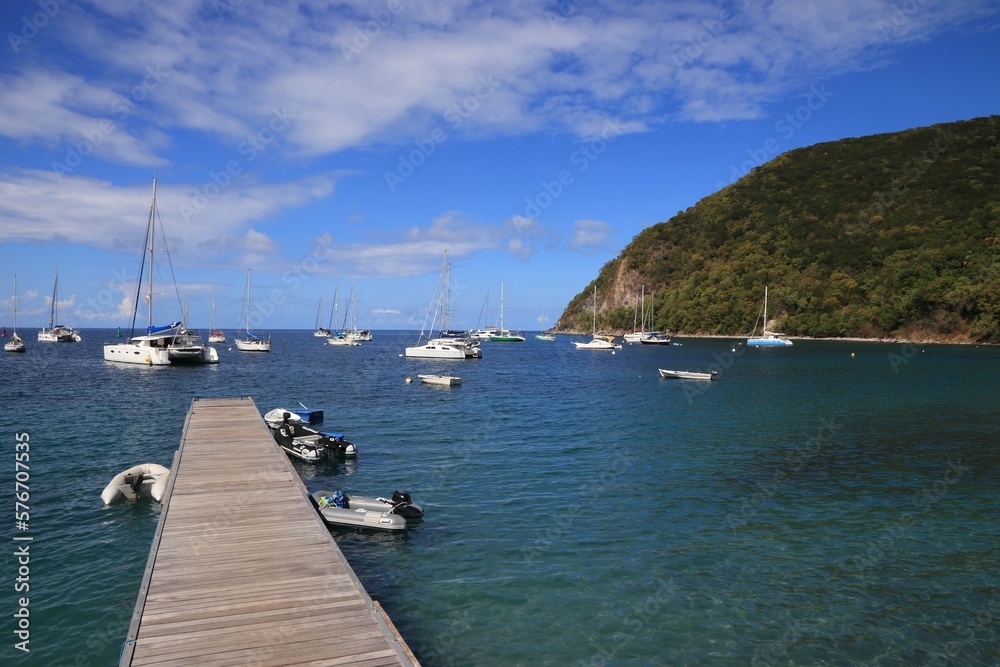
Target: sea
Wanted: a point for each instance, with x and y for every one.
(831, 503)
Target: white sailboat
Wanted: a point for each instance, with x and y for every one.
(488, 329)
(446, 345)
(338, 338)
(217, 336)
(353, 332)
(653, 337)
(320, 331)
(502, 335)
(598, 342)
(252, 342)
(16, 343)
(163, 345)
(768, 338)
(57, 333)
(638, 320)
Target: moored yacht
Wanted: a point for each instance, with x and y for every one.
(160, 345)
(447, 344)
(768, 338)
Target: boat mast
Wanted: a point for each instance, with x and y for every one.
(248, 302)
(15, 305)
(333, 311)
(764, 334)
(501, 331)
(152, 244)
(446, 294)
(55, 295)
(442, 307)
(595, 311)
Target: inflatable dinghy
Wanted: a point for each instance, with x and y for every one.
(393, 514)
(148, 480)
(307, 444)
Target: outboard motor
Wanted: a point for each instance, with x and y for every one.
(134, 482)
(404, 507)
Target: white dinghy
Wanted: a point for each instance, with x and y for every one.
(687, 375)
(147, 480)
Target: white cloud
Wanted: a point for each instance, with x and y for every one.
(44, 206)
(76, 117)
(419, 249)
(358, 74)
(589, 235)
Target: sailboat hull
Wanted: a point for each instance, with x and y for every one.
(256, 345)
(160, 351)
(434, 350)
(768, 342)
(130, 353)
(16, 344)
(143, 353)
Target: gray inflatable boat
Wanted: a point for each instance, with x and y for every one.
(393, 514)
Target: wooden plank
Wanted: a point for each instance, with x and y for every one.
(242, 570)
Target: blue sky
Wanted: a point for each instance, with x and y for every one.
(322, 144)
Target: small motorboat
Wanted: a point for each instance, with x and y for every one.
(148, 480)
(441, 380)
(304, 443)
(393, 514)
(687, 375)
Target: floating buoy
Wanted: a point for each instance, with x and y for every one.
(409, 380)
(852, 354)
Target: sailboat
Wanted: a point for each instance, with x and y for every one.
(768, 338)
(598, 342)
(654, 337)
(162, 345)
(340, 338)
(447, 345)
(216, 336)
(253, 342)
(354, 333)
(544, 336)
(16, 343)
(57, 333)
(488, 329)
(320, 331)
(638, 320)
(502, 335)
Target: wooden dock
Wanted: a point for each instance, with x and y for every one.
(242, 571)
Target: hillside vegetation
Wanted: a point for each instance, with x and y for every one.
(893, 235)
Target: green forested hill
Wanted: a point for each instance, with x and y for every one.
(892, 235)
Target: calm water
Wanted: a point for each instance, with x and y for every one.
(832, 503)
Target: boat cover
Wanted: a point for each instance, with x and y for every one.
(153, 330)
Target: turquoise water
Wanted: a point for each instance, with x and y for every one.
(809, 507)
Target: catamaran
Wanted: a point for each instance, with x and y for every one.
(502, 335)
(768, 338)
(162, 345)
(446, 345)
